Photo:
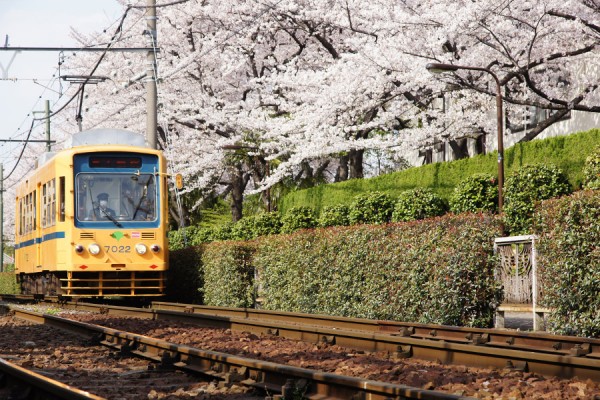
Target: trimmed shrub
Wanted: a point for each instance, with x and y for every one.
(591, 170)
(203, 235)
(298, 218)
(229, 274)
(371, 208)
(477, 193)
(335, 216)
(243, 229)
(267, 224)
(569, 262)
(526, 186)
(223, 232)
(419, 203)
(181, 238)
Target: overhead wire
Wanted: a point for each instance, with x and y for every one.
(110, 44)
(56, 78)
(119, 30)
(22, 150)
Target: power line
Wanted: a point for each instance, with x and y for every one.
(111, 42)
(22, 150)
(54, 76)
(78, 49)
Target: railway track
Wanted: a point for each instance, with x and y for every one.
(500, 338)
(266, 376)
(52, 364)
(545, 354)
(19, 383)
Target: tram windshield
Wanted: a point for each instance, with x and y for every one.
(114, 197)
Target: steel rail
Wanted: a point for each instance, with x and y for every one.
(502, 338)
(276, 378)
(562, 356)
(28, 384)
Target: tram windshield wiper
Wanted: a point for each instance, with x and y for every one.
(144, 194)
(107, 215)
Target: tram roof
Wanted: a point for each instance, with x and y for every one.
(100, 136)
(107, 136)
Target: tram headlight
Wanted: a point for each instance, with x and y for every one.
(94, 249)
(155, 248)
(79, 249)
(141, 248)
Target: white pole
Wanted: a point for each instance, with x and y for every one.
(48, 145)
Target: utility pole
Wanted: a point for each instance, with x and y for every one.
(151, 95)
(1, 217)
(47, 117)
(48, 145)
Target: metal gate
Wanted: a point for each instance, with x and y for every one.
(517, 268)
(518, 273)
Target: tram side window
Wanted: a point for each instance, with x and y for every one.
(44, 206)
(29, 212)
(34, 211)
(48, 204)
(21, 217)
(61, 200)
(31, 218)
(53, 202)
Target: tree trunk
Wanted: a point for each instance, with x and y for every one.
(341, 174)
(237, 193)
(356, 163)
(307, 171)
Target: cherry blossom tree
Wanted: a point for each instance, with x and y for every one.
(310, 85)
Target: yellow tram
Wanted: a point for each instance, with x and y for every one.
(91, 220)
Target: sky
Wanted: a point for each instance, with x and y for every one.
(39, 23)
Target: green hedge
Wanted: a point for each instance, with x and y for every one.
(566, 152)
(419, 203)
(432, 271)
(298, 218)
(229, 274)
(8, 283)
(591, 170)
(371, 208)
(569, 262)
(476, 193)
(337, 215)
(527, 186)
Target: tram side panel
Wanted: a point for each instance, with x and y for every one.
(39, 225)
(54, 226)
(25, 228)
